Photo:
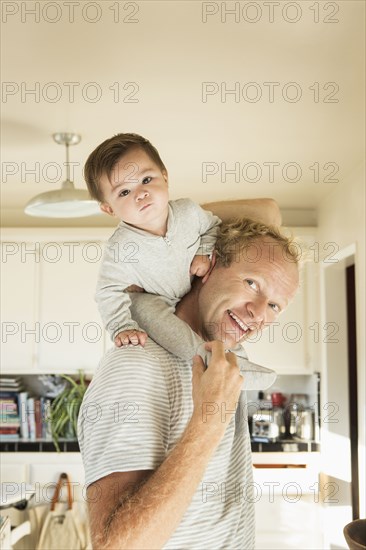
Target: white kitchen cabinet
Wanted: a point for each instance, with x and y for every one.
(47, 290)
(291, 344)
(71, 329)
(287, 473)
(41, 470)
(19, 270)
(286, 525)
(288, 503)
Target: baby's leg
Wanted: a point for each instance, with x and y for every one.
(155, 315)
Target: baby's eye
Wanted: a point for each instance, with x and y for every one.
(275, 307)
(147, 179)
(124, 193)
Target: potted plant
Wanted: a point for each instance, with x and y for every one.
(65, 408)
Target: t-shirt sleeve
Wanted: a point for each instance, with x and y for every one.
(208, 225)
(113, 279)
(124, 419)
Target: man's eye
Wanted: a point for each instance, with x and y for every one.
(124, 193)
(147, 180)
(251, 283)
(275, 307)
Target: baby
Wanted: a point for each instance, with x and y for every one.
(159, 244)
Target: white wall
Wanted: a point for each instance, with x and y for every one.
(341, 217)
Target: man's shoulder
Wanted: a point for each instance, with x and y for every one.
(151, 352)
(133, 366)
(125, 416)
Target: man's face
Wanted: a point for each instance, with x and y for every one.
(236, 302)
(137, 191)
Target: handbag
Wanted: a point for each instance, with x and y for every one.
(64, 527)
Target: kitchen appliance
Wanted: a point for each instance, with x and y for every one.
(268, 424)
(300, 399)
(305, 425)
(299, 422)
(296, 421)
(278, 399)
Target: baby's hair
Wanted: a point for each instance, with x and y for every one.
(104, 158)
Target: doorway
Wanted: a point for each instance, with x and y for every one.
(352, 386)
(339, 473)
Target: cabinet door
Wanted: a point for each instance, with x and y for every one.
(280, 522)
(19, 263)
(71, 329)
(284, 346)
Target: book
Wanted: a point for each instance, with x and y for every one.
(10, 384)
(31, 418)
(9, 419)
(23, 416)
(9, 437)
(8, 396)
(38, 418)
(9, 430)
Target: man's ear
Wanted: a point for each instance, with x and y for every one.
(104, 206)
(213, 262)
(165, 176)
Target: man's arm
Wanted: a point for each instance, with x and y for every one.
(264, 210)
(138, 510)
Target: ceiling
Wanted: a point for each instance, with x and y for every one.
(161, 69)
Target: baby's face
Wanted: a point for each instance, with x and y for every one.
(137, 192)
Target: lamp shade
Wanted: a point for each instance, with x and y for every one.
(66, 202)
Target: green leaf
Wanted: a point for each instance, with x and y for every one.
(65, 408)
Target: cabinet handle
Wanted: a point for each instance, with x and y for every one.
(280, 465)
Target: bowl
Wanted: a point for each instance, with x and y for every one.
(355, 534)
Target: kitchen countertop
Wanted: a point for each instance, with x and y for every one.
(71, 445)
(285, 446)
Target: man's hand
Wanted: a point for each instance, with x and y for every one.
(215, 390)
(200, 265)
(134, 337)
(263, 210)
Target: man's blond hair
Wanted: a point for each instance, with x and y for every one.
(235, 236)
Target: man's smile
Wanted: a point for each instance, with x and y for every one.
(238, 322)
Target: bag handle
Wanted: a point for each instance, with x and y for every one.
(64, 478)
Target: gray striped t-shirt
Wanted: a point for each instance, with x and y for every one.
(135, 410)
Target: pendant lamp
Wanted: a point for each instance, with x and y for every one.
(66, 202)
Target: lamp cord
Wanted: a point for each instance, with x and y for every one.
(67, 162)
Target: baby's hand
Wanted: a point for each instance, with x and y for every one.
(134, 337)
(200, 265)
(135, 288)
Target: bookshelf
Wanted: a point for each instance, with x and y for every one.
(27, 414)
(39, 446)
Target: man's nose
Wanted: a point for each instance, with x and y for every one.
(257, 311)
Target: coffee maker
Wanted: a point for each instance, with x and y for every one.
(268, 424)
(267, 421)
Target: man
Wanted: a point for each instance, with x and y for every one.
(165, 443)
